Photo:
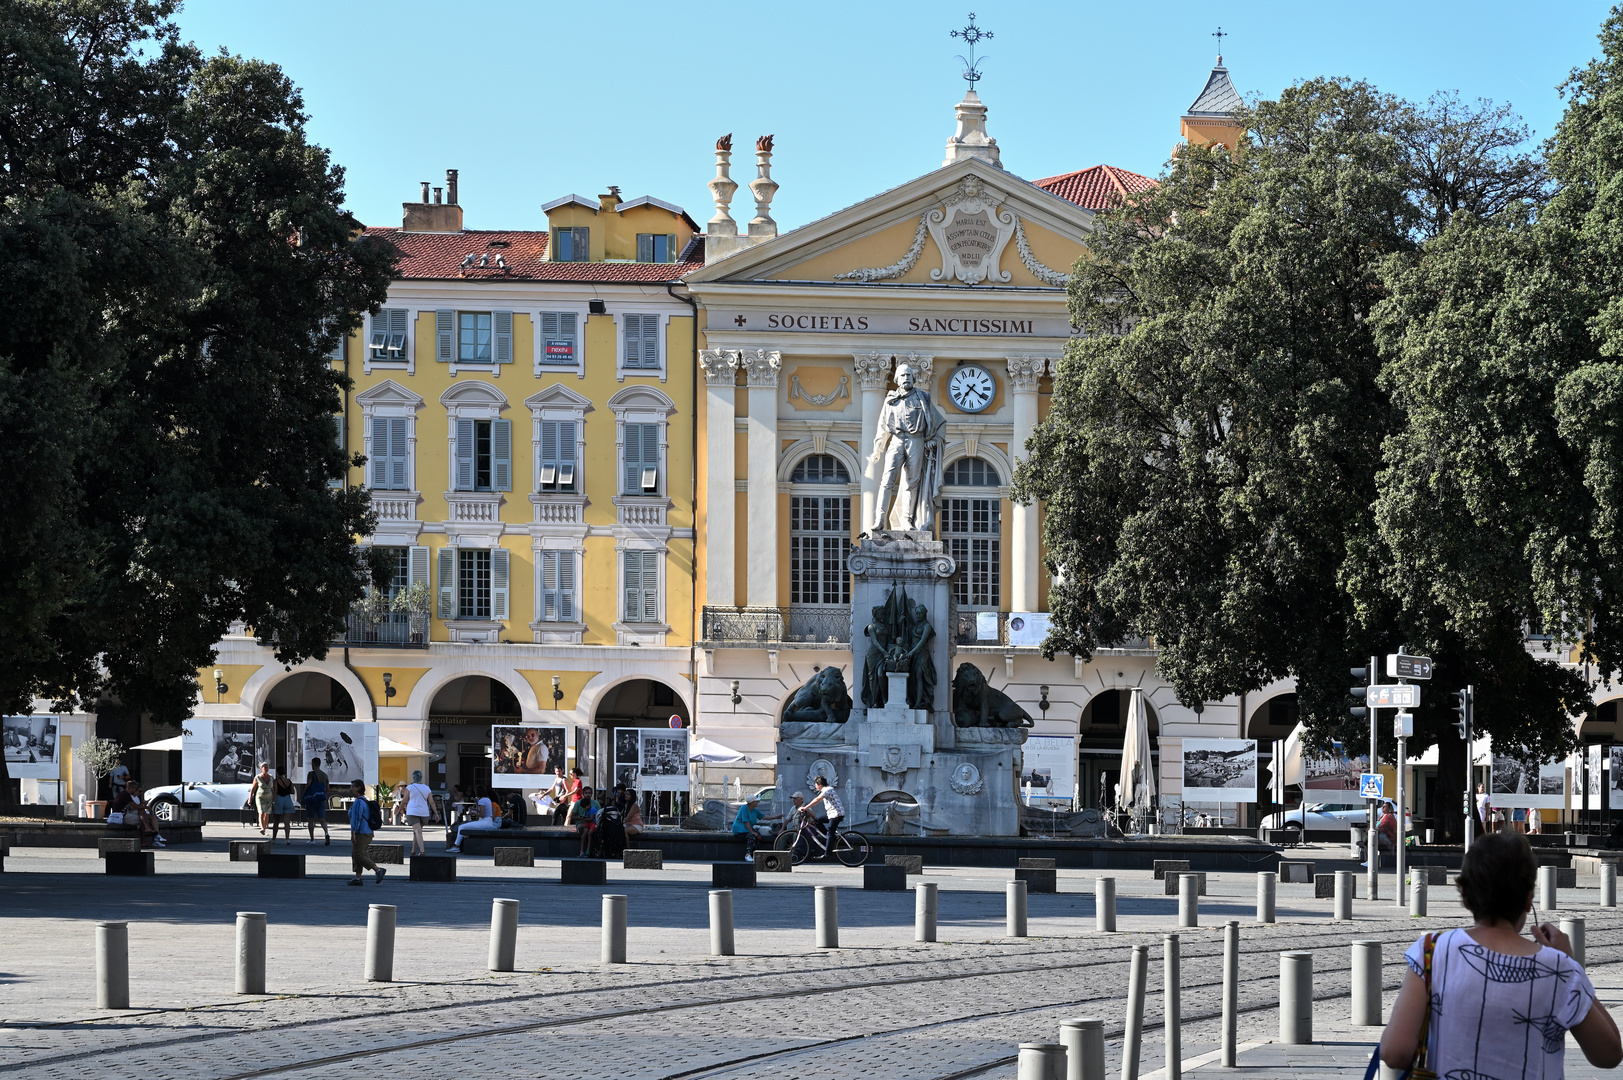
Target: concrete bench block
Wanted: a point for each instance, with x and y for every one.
(643, 859)
(733, 875)
(514, 856)
(886, 878)
(1566, 877)
(913, 864)
(775, 862)
(433, 868)
(1291, 871)
(1430, 875)
(1161, 866)
(130, 863)
(1324, 886)
(1046, 880)
(281, 864)
(583, 872)
(117, 843)
(247, 850)
(1039, 864)
(1172, 885)
(394, 854)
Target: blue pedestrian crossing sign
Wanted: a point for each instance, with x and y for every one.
(1371, 786)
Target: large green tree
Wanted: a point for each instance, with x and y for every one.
(177, 265)
(1219, 434)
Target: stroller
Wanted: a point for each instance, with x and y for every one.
(611, 832)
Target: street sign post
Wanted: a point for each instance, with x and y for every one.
(1404, 666)
(1393, 696)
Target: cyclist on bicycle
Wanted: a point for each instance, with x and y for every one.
(832, 810)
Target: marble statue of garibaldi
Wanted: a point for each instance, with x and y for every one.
(907, 445)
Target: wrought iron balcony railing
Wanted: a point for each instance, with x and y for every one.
(776, 626)
(392, 629)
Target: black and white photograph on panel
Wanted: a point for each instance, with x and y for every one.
(233, 756)
(627, 775)
(265, 745)
(30, 747)
(1516, 781)
(348, 750)
(1219, 771)
(625, 746)
(1595, 755)
(664, 764)
(295, 753)
(1616, 755)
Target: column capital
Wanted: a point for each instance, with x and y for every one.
(1025, 371)
(923, 364)
(873, 370)
(761, 366)
(720, 366)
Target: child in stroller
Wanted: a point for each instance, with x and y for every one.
(611, 832)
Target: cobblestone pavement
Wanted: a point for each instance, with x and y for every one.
(880, 1006)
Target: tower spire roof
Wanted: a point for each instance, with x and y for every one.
(1218, 98)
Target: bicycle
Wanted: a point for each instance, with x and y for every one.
(810, 840)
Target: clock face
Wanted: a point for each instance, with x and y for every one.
(971, 388)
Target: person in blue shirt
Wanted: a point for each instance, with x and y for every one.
(360, 835)
(745, 825)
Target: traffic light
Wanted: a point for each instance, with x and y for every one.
(1360, 694)
(1462, 708)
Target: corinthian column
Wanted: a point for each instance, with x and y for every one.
(1024, 373)
(761, 563)
(873, 375)
(720, 528)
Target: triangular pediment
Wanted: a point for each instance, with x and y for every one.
(968, 224)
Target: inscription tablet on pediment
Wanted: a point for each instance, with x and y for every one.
(970, 229)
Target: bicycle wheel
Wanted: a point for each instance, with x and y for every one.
(802, 849)
(851, 848)
(785, 840)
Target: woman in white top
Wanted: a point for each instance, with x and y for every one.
(420, 810)
(1488, 1004)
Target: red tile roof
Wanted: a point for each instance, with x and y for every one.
(1099, 188)
(439, 256)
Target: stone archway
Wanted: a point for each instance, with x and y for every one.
(617, 715)
(1101, 729)
(460, 716)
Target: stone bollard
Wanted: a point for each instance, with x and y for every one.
(1344, 894)
(1188, 903)
(1366, 983)
(1417, 899)
(1295, 998)
(828, 916)
(614, 929)
(1546, 888)
(1138, 968)
(721, 922)
(924, 911)
(112, 965)
(1229, 1043)
(250, 952)
(1608, 884)
(1573, 927)
(1084, 1042)
(1014, 909)
(1172, 1002)
(1104, 905)
(1041, 1061)
(380, 920)
(1266, 883)
(503, 934)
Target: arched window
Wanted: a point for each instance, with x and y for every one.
(820, 469)
(819, 536)
(972, 527)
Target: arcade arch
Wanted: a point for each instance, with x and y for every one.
(460, 717)
(1102, 729)
(617, 714)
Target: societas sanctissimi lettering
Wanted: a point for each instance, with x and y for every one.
(817, 322)
(925, 324)
(969, 326)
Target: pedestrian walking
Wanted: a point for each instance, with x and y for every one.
(259, 794)
(420, 810)
(362, 813)
(283, 806)
(315, 801)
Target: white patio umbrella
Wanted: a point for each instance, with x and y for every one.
(387, 747)
(1137, 786)
(161, 744)
(708, 750)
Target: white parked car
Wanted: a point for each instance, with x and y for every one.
(1321, 816)
(209, 796)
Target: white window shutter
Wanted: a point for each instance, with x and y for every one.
(444, 331)
(447, 582)
(502, 327)
(501, 455)
(464, 455)
(399, 455)
(498, 583)
(566, 586)
(417, 566)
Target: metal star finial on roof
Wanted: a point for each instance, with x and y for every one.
(972, 34)
(1219, 35)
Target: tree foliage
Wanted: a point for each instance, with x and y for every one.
(177, 265)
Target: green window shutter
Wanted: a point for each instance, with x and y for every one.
(445, 333)
(549, 586)
(503, 331)
(501, 455)
(636, 438)
(417, 566)
(447, 583)
(498, 583)
(464, 455)
(398, 454)
(633, 335)
(645, 247)
(566, 586)
(380, 452)
(633, 587)
(650, 341)
(650, 587)
(549, 455)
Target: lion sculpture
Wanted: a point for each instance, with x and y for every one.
(823, 700)
(975, 704)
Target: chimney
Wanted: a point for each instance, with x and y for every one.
(433, 216)
(763, 187)
(721, 190)
(971, 140)
(610, 199)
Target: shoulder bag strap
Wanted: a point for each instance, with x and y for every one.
(1423, 1049)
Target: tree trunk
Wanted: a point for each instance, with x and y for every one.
(8, 805)
(1449, 804)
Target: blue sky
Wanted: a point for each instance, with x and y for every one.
(535, 100)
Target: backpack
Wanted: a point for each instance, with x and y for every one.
(374, 814)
